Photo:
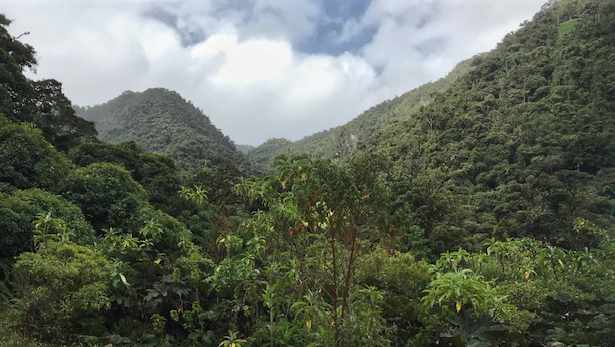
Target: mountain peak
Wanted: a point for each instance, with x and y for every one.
(162, 121)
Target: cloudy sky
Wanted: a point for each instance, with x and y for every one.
(260, 68)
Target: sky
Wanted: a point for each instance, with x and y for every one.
(260, 68)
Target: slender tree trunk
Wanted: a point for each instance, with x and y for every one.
(348, 277)
(335, 290)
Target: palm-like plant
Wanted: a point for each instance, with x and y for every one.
(232, 340)
(459, 289)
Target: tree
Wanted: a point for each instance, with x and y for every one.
(324, 206)
(38, 102)
(63, 291)
(107, 195)
(19, 211)
(157, 174)
(28, 160)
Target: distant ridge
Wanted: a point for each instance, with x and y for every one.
(161, 121)
(345, 139)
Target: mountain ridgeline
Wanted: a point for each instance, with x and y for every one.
(519, 141)
(477, 210)
(161, 121)
(524, 143)
(342, 141)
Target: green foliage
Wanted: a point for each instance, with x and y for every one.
(345, 140)
(317, 209)
(15, 57)
(157, 174)
(195, 194)
(519, 143)
(28, 160)
(219, 180)
(366, 325)
(64, 288)
(39, 102)
(232, 340)
(456, 291)
(533, 283)
(158, 273)
(402, 280)
(161, 121)
(262, 156)
(482, 215)
(567, 27)
(9, 337)
(19, 211)
(107, 195)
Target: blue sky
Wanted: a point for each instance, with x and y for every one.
(326, 22)
(261, 68)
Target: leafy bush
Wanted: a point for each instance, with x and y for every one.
(63, 290)
(157, 174)
(28, 160)
(19, 210)
(107, 195)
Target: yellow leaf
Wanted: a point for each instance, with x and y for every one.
(308, 325)
(458, 306)
(526, 275)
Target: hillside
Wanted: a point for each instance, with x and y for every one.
(161, 121)
(482, 216)
(519, 141)
(340, 142)
(522, 145)
(262, 156)
(245, 149)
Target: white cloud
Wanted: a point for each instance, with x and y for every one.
(247, 73)
(252, 63)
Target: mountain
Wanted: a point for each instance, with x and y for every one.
(483, 216)
(519, 141)
(524, 143)
(340, 142)
(245, 149)
(262, 156)
(161, 121)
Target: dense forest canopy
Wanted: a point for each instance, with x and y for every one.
(161, 121)
(474, 211)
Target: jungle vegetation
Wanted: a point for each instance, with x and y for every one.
(482, 216)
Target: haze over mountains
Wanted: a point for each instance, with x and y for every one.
(342, 141)
(477, 210)
(299, 66)
(161, 121)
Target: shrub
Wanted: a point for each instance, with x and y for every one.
(19, 210)
(28, 160)
(62, 290)
(108, 196)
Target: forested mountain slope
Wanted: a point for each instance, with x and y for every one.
(262, 156)
(161, 121)
(244, 148)
(484, 218)
(524, 144)
(342, 141)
